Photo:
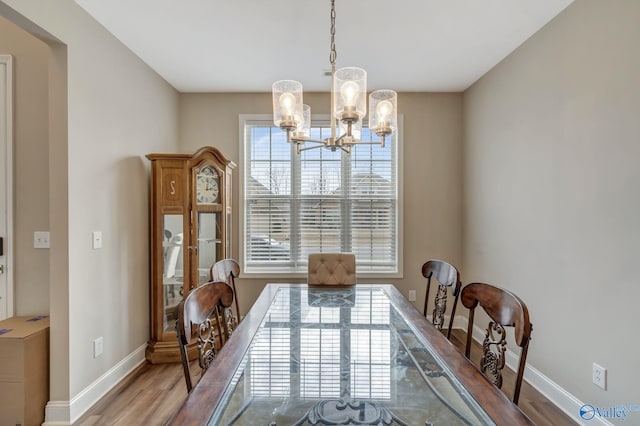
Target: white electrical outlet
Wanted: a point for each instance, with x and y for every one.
(97, 347)
(412, 295)
(599, 376)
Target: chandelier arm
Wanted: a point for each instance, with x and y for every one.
(305, 140)
(307, 148)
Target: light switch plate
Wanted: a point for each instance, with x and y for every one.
(97, 347)
(97, 240)
(41, 239)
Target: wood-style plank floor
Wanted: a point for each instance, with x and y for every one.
(152, 393)
(532, 403)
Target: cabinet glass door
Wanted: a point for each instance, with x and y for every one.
(209, 241)
(172, 268)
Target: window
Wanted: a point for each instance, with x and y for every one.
(318, 201)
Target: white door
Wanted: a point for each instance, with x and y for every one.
(6, 187)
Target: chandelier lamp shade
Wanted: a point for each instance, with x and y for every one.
(348, 106)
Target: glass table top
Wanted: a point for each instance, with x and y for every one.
(342, 356)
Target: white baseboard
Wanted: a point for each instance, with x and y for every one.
(547, 387)
(65, 413)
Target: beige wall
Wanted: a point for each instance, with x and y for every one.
(430, 169)
(118, 111)
(548, 166)
(31, 167)
(551, 192)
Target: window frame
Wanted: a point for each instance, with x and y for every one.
(321, 119)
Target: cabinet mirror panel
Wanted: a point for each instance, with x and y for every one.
(172, 268)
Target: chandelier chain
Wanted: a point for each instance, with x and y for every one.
(333, 54)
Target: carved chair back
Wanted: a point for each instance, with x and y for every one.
(447, 276)
(228, 270)
(332, 269)
(504, 309)
(205, 308)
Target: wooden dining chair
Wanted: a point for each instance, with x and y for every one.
(448, 277)
(504, 309)
(331, 269)
(205, 308)
(227, 270)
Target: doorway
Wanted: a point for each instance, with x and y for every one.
(6, 186)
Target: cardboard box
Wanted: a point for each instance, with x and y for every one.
(24, 370)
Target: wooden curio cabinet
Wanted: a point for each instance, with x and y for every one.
(190, 231)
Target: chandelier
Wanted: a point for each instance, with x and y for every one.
(348, 106)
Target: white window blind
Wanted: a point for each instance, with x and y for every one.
(319, 363)
(370, 364)
(270, 354)
(270, 363)
(318, 201)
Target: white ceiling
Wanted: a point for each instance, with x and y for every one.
(246, 45)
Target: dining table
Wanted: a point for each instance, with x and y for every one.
(342, 355)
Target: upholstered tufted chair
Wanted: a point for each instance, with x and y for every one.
(332, 269)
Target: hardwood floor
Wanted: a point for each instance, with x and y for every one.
(532, 403)
(152, 393)
(148, 396)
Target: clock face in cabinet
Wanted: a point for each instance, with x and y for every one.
(207, 189)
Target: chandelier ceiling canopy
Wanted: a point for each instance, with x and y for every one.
(348, 106)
